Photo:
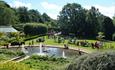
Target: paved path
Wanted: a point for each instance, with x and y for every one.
(22, 59)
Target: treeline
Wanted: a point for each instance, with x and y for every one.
(85, 23)
(21, 15)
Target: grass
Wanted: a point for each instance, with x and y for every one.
(6, 54)
(13, 66)
(36, 62)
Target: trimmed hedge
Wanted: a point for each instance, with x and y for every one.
(35, 29)
(94, 61)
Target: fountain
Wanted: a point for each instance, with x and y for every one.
(24, 50)
(63, 54)
(41, 51)
(41, 48)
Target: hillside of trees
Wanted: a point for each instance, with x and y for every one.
(73, 19)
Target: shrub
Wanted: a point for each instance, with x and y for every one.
(11, 52)
(94, 61)
(41, 39)
(13, 66)
(47, 58)
(35, 29)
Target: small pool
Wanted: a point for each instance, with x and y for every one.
(51, 51)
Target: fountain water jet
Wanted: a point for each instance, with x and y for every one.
(41, 51)
(24, 50)
(63, 54)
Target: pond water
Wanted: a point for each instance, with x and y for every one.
(51, 51)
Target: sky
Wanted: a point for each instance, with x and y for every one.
(53, 7)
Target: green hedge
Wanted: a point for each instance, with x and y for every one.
(35, 29)
(94, 61)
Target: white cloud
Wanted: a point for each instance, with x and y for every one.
(17, 4)
(50, 6)
(106, 10)
(51, 9)
(52, 15)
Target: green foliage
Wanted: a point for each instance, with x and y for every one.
(7, 14)
(92, 25)
(22, 13)
(71, 18)
(84, 23)
(35, 16)
(19, 27)
(6, 54)
(1, 34)
(108, 28)
(100, 36)
(36, 62)
(72, 41)
(47, 58)
(46, 18)
(94, 61)
(35, 29)
(40, 39)
(11, 52)
(13, 66)
(59, 39)
(114, 20)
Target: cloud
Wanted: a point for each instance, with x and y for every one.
(17, 4)
(51, 9)
(106, 10)
(53, 15)
(50, 6)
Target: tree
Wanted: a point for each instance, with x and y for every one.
(72, 19)
(114, 20)
(108, 28)
(92, 25)
(46, 18)
(7, 14)
(22, 13)
(35, 16)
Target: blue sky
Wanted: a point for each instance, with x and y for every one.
(53, 7)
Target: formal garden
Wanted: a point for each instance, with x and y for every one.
(80, 39)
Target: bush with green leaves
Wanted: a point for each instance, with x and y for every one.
(59, 39)
(94, 61)
(35, 29)
(6, 54)
(13, 66)
(47, 58)
(36, 62)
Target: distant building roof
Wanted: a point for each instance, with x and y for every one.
(7, 29)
